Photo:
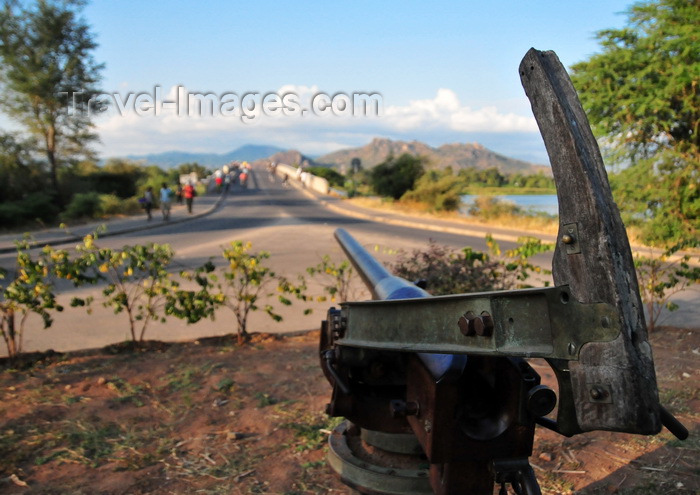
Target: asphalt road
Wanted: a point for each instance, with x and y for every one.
(289, 223)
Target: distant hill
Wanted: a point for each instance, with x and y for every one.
(289, 157)
(169, 159)
(457, 156)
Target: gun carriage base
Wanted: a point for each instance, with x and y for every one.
(445, 381)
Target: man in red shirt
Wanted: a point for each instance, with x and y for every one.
(189, 193)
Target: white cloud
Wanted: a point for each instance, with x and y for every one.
(442, 115)
(445, 111)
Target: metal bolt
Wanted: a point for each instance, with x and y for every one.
(488, 323)
(568, 239)
(598, 393)
(605, 322)
(477, 325)
(572, 348)
(470, 324)
(464, 327)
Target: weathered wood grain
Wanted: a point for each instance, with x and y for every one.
(593, 257)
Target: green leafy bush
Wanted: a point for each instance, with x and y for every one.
(441, 190)
(36, 208)
(82, 205)
(30, 289)
(138, 281)
(94, 205)
(113, 205)
(660, 276)
(488, 207)
(336, 279)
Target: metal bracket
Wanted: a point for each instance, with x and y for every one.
(546, 323)
(569, 237)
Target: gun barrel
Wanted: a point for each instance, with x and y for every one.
(386, 286)
(378, 280)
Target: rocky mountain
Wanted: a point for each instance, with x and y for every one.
(458, 155)
(289, 157)
(168, 159)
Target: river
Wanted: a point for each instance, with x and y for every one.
(540, 203)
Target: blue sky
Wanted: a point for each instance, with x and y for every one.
(446, 71)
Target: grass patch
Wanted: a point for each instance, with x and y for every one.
(531, 223)
(678, 400)
(508, 191)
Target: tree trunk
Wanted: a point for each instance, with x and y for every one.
(51, 155)
(12, 344)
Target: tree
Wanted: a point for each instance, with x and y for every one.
(19, 173)
(243, 285)
(441, 190)
(661, 276)
(394, 176)
(49, 78)
(138, 281)
(642, 97)
(31, 290)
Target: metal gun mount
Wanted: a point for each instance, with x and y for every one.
(437, 392)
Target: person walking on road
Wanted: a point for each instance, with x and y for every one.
(148, 201)
(166, 196)
(189, 193)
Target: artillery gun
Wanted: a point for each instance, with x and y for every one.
(437, 392)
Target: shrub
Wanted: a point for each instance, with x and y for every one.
(35, 207)
(450, 271)
(113, 205)
(336, 279)
(488, 207)
(82, 205)
(30, 289)
(440, 190)
(445, 270)
(660, 276)
(240, 286)
(138, 281)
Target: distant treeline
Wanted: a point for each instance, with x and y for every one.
(406, 178)
(86, 189)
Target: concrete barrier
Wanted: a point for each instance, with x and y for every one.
(309, 181)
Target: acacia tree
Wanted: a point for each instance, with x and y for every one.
(642, 96)
(49, 78)
(394, 176)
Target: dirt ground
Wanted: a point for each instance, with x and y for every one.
(210, 417)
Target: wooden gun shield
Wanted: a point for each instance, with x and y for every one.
(612, 385)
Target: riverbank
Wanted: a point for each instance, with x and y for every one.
(536, 224)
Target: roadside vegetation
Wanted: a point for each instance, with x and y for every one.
(140, 282)
(88, 191)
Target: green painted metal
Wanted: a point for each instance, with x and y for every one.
(546, 323)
